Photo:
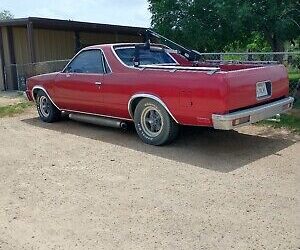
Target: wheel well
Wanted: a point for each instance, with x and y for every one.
(35, 92)
(133, 105)
(134, 102)
(37, 89)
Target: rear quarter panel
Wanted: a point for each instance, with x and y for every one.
(242, 85)
(190, 96)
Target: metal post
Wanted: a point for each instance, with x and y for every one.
(2, 62)
(30, 39)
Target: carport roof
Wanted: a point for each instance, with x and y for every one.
(48, 23)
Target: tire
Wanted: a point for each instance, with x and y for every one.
(153, 123)
(46, 109)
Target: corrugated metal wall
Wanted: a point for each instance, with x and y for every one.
(97, 38)
(58, 45)
(8, 60)
(1, 74)
(20, 45)
(123, 38)
(53, 44)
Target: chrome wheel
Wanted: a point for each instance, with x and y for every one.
(151, 121)
(45, 107)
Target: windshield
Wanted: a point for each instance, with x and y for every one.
(147, 57)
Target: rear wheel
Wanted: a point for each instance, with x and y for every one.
(46, 109)
(153, 123)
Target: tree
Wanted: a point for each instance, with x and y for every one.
(277, 20)
(5, 15)
(210, 25)
(201, 25)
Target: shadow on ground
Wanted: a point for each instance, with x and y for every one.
(222, 151)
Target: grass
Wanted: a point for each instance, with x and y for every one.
(289, 121)
(294, 75)
(14, 109)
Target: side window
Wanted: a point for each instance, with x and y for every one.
(89, 61)
(107, 68)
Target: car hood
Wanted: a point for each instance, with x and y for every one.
(43, 77)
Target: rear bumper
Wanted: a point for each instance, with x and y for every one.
(252, 115)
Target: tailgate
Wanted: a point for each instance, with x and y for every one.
(250, 87)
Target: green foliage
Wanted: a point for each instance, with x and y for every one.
(258, 43)
(211, 25)
(202, 25)
(277, 20)
(5, 15)
(255, 43)
(294, 79)
(295, 62)
(294, 75)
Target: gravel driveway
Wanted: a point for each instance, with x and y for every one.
(75, 186)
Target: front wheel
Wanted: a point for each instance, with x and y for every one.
(153, 123)
(46, 109)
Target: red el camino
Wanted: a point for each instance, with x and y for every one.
(158, 91)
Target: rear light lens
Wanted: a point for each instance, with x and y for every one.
(241, 120)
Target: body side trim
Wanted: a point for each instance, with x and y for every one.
(145, 95)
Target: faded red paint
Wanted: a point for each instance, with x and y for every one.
(191, 96)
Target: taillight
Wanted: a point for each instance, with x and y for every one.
(241, 120)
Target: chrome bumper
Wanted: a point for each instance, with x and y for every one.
(226, 122)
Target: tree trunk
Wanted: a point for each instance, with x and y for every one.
(277, 46)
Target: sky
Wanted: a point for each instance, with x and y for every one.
(121, 12)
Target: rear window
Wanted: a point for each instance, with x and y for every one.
(147, 57)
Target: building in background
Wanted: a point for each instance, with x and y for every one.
(30, 40)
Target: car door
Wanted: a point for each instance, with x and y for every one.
(77, 88)
(116, 89)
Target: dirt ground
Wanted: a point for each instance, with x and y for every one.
(69, 185)
(10, 98)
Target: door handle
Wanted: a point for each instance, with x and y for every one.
(98, 83)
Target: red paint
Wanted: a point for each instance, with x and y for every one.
(191, 96)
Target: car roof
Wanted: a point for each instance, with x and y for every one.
(120, 45)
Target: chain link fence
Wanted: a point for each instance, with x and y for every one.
(290, 59)
(24, 71)
(287, 58)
